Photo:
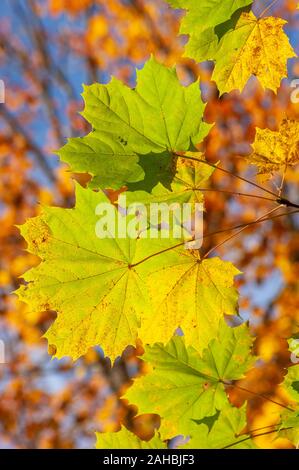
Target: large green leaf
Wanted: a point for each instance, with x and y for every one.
(159, 116)
(183, 385)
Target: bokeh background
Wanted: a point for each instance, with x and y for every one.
(48, 48)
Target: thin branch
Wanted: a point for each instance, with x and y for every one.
(280, 189)
(254, 436)
(251, 431)
(35, 30)
(268, 8)
(287, 203)
(260, 395)
(259, 219)
(280, 200)
(41, 159)
(235, 193)
(187, 157)
(213, 233)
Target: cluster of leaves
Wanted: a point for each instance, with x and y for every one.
(114, 291)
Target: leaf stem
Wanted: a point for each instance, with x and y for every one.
(264, 397)
(268, 8)
(214, 233)
(234, 193)
(259, 219)
(187, 157)
(253, 436)
(278, 199)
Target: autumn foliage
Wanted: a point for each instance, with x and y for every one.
(149, 338)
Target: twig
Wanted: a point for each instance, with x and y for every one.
(259, 219)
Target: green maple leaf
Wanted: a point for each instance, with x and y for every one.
(125, 439)
(183, 385)
(158, 117)
(224, 429)
(207, 13)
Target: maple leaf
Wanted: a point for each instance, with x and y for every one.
(102, 289)
(125, 439)
(224, 429)
(255, 46)
(183, 385)
(275, 150)
(206, 13)
(159, 116)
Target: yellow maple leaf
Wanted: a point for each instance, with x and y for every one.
(275, 150)
(257, 46)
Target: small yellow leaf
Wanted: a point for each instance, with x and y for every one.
(274, 150)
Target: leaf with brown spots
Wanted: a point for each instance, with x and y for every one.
(255, 46)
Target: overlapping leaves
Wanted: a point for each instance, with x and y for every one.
(240, 43)
(186, 385)
(223, 430)
(154, 120)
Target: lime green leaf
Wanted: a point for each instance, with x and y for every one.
(159, 116)
(206, 13)
(225, 429)
(95, 153)
(183, 385)
(125, 439)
